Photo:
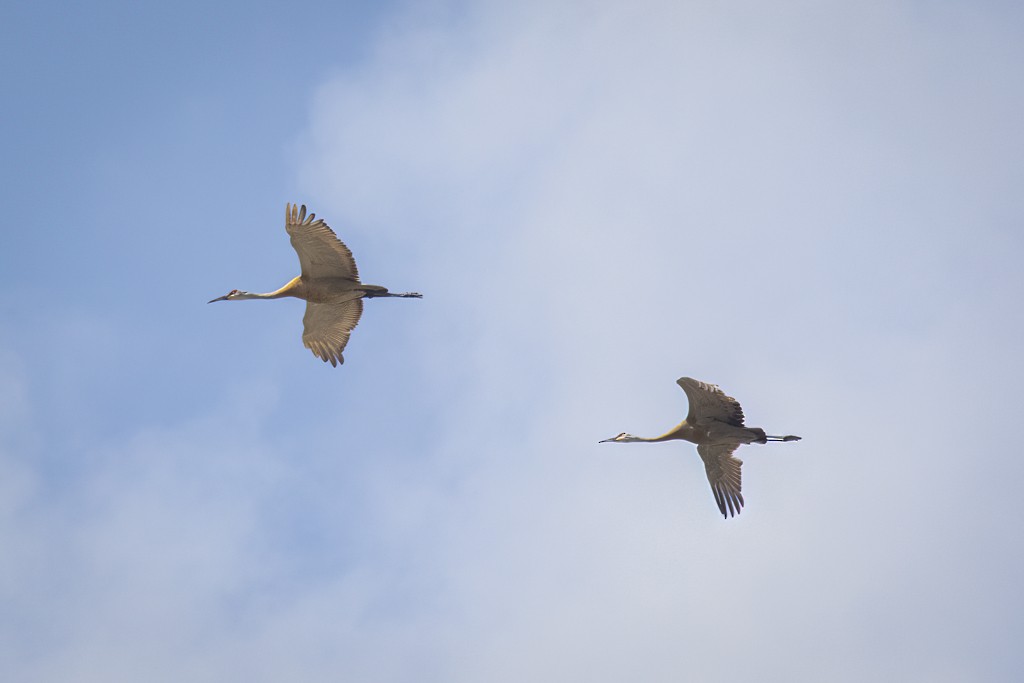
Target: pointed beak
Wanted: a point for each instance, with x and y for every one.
(606, 440)
(219, 298)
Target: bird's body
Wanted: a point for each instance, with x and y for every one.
(324, 290)
(329, 284)
(715, 423)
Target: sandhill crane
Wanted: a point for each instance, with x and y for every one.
(329, 283)
(715, 424)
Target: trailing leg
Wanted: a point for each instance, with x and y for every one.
(375, 291)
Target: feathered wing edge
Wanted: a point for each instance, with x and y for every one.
(327, 327)
(321, 253)
(708, 401)
(724, 475)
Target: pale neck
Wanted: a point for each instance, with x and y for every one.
(676, 432)
(287, 290)
(651, 439)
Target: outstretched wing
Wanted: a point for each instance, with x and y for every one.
(724, 474)
(321, 253)
(707, 401)
(327, 328)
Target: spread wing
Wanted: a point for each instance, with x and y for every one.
(321, 253)
(707, 401)
(327, 328)
(724, 474)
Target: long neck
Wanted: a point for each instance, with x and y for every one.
(678, 432)
(652, 439)
(290, 289)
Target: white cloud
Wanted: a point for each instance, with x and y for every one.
(595, 199)
(622, 198)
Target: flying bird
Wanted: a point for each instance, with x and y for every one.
(329, 284)
(715, 424)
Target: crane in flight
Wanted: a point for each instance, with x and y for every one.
(329, 284)
(715, 424)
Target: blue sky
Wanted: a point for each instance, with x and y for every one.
(815, 205)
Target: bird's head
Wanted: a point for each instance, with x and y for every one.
(621, 438)
(231, 296)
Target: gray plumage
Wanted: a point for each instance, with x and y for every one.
(714, 422)
(329, 284)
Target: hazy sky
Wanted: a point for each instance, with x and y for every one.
(816, 205)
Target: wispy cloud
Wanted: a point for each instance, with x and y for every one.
(801, 204)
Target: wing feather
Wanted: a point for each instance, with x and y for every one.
(327, 327)
(708, 402)
(724, 474)
(321, 253)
